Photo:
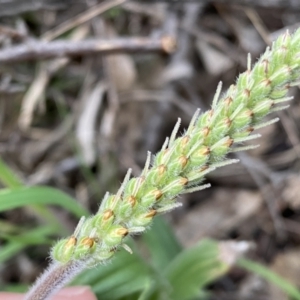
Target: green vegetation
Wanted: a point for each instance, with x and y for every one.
(180, 167)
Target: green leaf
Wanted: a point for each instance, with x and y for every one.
(32, 237)
(8, 177)
(10, 250)
(194, 268)
(125, 275)
(11, 180)
(270, 276)
(8, 227)
(14, 288)
(24, 196)
(162, 243)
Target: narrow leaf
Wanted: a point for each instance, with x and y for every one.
(13, 198)
(270, 276)
(16, 244)
(194, 268)
(8, 177)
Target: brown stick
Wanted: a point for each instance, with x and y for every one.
(38, 50)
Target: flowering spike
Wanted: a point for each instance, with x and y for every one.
(182, 163)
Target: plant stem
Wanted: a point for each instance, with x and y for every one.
(53, 279)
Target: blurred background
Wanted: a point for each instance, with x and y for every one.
(88, 87)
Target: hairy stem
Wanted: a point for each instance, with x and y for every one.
(53, 279)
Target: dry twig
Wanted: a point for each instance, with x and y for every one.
(42, 50)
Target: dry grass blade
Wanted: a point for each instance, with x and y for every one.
(86, 127)
(81, 18)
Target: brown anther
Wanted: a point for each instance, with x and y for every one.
(249, 113)
(267, 82)
(184, 181)
(265, 63)
(227, 122)
(132, 200)
(151, 213)
(203, 168)
(88, 242)
(107, 214)
(249, 129)
(183, 160)
(122, 231)
(247, 92)
(210, 113)
(228, 101)
(206, 131)
(162, 169)
(204, 151)
(229, 142)
(157, 194)
(71, 242)
(185, 140)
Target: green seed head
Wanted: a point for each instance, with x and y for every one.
(182, 163)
